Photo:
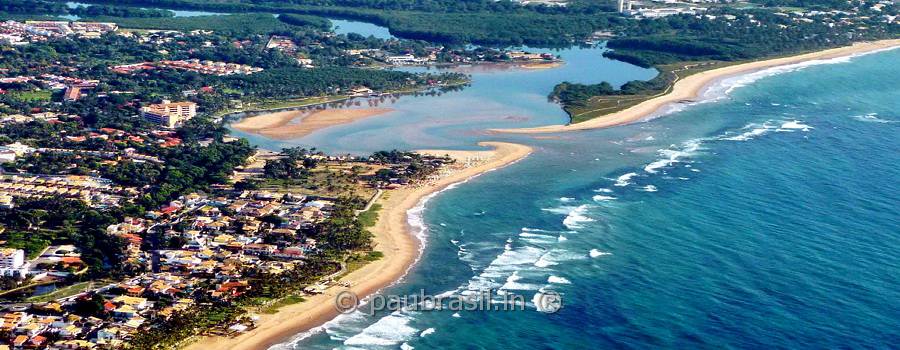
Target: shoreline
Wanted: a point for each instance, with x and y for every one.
(392, 236)
(284, 125)
(692, 87)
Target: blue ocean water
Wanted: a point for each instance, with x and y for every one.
(765, 218)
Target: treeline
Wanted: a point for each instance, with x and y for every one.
(287, 82)
(451, 22)
(33, 224)
(238, 24)
(308, 21)
(577, 95)
(32, 7)
(120, 11)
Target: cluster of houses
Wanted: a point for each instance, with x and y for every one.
(192, 65)
(221, 238)
(23, 33)
(74, 87)
(94, 191)
(288, 47)
(120, 314)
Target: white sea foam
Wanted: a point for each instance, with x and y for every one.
(577, 217)
(406, 346)
(595, 253)
(503, 266)
(603, 190)
(566, 199)
(753, 131)
(512, 283)
(427, 332)
(602, 198)
(624, 179)
(456, 315)
(674, 154)
(873, 118)
(794, 125)
(536, 238)
(555, 257)
(649, 188)
(561, 238)
(558, 280)
(387, 331)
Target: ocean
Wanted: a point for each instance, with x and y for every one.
(764, 217)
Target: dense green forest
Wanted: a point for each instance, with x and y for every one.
(476, 21)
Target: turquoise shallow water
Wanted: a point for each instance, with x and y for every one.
(766, 218)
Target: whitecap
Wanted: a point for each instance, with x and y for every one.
(566, 199)
(649, 188)
(555, 257)
(456, 315)
(558, 280)
(390, 330)
(577, 217)
(594, 253)
(624, 180)
(602, 198)
(872, 118)
(794, 125)
(753, 130)
(427, 332)
(561, 238)
(603, 190)
(673, 155)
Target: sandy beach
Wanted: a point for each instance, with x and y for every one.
(692, 86)
(392, 237)
(293, 124)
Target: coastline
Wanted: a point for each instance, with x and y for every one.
(392, 236)
(298, 123)
(691, 87)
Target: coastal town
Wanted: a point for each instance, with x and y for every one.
(265, 229)
(133, 215)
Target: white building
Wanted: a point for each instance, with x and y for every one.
(12, 262)
(169, 114)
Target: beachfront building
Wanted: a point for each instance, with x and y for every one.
(169, 114)
(12, 262)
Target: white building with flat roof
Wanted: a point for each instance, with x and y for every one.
(169, 114)
(12, 262)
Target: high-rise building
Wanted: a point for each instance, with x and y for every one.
(169, 114)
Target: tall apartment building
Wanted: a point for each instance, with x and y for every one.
(169, 114)
(12, 262)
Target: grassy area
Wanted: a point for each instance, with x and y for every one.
(369, 217)
(32, 96)
(357, 261)
(62, 292)
(599, 106)
(288, 300)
